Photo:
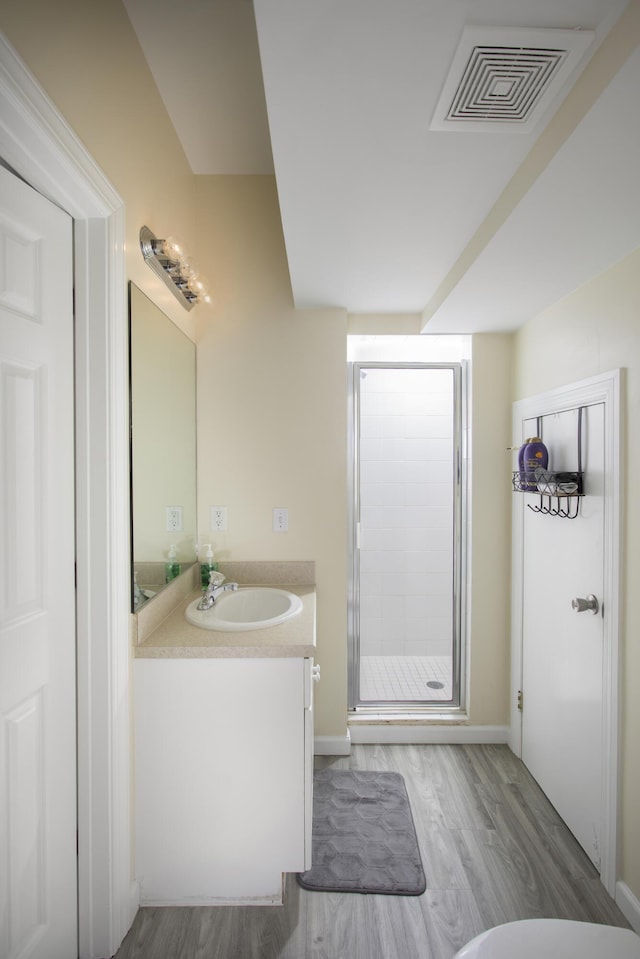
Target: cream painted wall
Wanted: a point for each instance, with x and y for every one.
(86, 56)
(594, 330)
(381, 324)
(272, 413)
(490, 525)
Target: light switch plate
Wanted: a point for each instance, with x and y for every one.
(280, 519)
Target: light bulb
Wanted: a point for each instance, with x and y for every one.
(172, 249)
(199, 286)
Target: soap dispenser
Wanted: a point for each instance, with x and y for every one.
(171, 569)
(138, 596)
(207, 567)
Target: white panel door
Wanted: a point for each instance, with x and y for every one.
(562, 666)
(38, 895)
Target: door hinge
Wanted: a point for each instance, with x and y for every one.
(520, 698)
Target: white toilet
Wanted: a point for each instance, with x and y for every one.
(552, 939)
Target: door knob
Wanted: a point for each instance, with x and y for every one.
(580, 605)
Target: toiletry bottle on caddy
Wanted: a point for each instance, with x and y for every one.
(522, 479)
(536, 456)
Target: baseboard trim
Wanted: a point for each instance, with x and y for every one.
(629, 905)
(332, 745)
(390, 734)
(268, 900)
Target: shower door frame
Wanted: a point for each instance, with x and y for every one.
(457, 704)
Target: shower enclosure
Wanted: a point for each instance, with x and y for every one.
(406, 549)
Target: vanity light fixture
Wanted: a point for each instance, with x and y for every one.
(167, 259)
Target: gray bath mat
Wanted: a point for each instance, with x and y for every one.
(364, 838)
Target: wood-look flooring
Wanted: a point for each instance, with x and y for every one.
(493, 849)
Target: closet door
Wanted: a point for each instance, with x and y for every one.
(38, 886)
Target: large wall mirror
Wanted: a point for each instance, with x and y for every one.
(163, 448)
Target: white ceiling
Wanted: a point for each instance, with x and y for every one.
(380, 213)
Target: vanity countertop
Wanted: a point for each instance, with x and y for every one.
(176, 638)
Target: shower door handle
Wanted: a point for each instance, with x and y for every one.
(580, 605)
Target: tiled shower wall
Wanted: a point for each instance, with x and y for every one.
(406, 512)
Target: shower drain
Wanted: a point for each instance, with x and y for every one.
(434, 684)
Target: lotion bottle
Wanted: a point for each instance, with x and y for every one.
(207, 567)
(172, 568)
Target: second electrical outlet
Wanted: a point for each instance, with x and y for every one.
(218, 518)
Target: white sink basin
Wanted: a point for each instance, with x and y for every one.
(250, 607)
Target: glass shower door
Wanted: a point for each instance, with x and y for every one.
(407, 535)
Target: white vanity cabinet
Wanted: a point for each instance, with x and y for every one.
(223, 777)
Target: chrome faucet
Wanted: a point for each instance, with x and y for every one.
(213, 590)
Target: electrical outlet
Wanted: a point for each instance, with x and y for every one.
(174, 519)
(280, 520)
(218, 518)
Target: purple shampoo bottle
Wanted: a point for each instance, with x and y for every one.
(536, 456)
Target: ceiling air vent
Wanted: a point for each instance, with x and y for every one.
(505, 79)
